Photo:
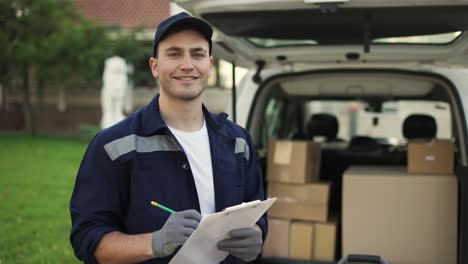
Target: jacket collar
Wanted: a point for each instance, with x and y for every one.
(215, 121)
(152, 121)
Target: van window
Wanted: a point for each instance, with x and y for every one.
(359, 118)
(272, 120)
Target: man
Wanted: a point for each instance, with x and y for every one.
(172, 151)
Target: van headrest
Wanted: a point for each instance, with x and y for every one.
(323, 124)
(419, 126)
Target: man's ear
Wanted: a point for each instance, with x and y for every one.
(153, 63)
(211, 65)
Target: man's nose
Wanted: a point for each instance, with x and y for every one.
(186, 63)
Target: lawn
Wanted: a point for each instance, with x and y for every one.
(36, 180)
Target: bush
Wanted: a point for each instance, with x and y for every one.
(88, 131)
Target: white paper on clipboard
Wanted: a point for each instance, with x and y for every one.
(200, 247)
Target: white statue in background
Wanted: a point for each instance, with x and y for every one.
(128, 104)
(114, 91)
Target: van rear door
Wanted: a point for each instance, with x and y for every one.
(354, 31)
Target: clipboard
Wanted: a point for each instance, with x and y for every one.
(201, 247)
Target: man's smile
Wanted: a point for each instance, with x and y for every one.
(186, 78)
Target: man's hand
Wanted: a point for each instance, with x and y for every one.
(177, 229)
(244, 243)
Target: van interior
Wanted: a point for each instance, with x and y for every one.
(360, 117)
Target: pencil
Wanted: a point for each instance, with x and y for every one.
(155, 204)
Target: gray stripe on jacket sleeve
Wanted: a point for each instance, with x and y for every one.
(124, 145)
(242, 147)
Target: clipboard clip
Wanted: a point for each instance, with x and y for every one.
(242, 205)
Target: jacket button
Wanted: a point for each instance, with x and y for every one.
(185, 166)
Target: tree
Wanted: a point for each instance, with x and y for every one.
(47, 40)
(135, 52)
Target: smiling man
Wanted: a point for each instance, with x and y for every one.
(172, 151)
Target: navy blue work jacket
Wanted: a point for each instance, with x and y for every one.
(138, 160)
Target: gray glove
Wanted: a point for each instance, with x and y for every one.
(177, 229)
(244, 243)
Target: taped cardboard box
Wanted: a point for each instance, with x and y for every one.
(434, 157)
(325, 241)
(300, 201)
(312, 241)
(293, 161)
(312, 193)
(286, 210)
(277, 241)
(403, 218)
(301, 240)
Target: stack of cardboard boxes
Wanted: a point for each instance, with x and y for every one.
(404, 214)
(300, 226)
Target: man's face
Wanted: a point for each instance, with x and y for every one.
(183, 65)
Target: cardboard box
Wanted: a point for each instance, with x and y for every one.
(300, 202)
(312, 193)
(434, 157)
(299, 212)
(403, 218)
(324, 241)
(312, 241)
(293, 161)
(301, 240)
(277, 241)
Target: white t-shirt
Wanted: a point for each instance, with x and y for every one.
(197, 148)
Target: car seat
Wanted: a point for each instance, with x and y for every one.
(419, 126)
(323, 125)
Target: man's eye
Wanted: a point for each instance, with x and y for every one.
(199, 55)
(173, 54)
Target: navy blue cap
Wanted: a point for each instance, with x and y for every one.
(185, 19)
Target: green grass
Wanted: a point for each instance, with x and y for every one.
(37, 175)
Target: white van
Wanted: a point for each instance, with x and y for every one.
(364, 65)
